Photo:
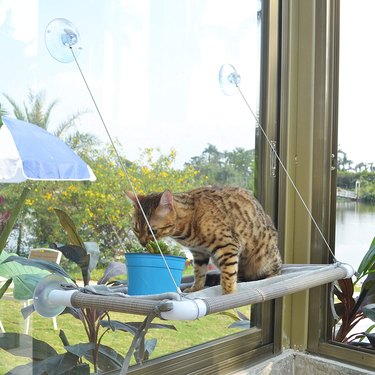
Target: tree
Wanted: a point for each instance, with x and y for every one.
(343, 163)
(225, 168)
(37, 112)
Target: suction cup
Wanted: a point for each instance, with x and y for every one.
(62, 40)
(229, 79)
(42, 303)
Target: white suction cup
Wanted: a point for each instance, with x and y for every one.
(62, 40)
(229, 79)
(43, 304)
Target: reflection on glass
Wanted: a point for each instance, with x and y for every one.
(152, 68)
(355, 210)
(355, 157)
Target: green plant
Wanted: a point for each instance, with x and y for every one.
(240, 319)
(350, 309)
(10, 218)
(167, 248)
(96, 322)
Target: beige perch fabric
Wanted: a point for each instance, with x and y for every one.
(294, 278)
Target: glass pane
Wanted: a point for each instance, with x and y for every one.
(355, 212)
(152, 69)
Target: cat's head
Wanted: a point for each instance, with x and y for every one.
(160, 213)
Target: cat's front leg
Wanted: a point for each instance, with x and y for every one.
(200, 269)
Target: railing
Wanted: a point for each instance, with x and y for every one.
(347, 194)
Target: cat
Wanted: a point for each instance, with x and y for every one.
(225, 224)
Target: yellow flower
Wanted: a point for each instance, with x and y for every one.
(48, 196)
(29, 202)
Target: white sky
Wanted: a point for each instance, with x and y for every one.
(152, 68)
(357, 80)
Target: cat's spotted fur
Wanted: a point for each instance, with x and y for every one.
(227, 225)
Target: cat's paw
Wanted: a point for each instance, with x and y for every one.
(192, 289)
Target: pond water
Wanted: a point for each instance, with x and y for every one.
(355, 230)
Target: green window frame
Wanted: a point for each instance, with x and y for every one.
(308, 146)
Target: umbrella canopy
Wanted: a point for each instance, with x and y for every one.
(28, 152)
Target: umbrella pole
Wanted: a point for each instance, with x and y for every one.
(13, 217)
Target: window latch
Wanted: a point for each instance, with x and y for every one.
(273, 159)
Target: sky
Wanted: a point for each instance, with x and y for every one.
(152, 67)
(357, 80)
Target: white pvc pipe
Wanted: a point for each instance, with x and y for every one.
(186, 310)
(349, 270)
(182, 310)
(61, 297)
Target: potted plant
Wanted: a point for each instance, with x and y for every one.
(155, 269)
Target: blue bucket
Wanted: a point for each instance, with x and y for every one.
(148, 274)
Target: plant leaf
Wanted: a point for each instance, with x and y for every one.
(108, 359)
(76, 312)
(92, 249)
(63, 338)
(371, 338)
(69, 227)
(367, 294)
(27, 311)
(61, 364)
(132, 327)
(80, 350)
(8, 268)
(244, 324)
(115, 325)
(114, 269)
(24, 285)
(241, 315)
(230, 315)
(369, 311)
(78, 255)
(368, 260)
(13, 218)
(22, 345)
(5, 287)
(143, 353)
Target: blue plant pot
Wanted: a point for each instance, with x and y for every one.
(148, 274)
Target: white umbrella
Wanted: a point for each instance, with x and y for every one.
(28, 152)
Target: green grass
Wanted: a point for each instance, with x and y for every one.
(189, 333)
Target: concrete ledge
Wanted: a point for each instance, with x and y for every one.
(292, 362)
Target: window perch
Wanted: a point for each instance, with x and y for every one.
(52, 295)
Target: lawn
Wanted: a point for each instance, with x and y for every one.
(188, 333)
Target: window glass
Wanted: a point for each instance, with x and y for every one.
(355, 211)
(354, 230)
(152, 68)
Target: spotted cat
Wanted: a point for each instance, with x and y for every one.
(226, 224)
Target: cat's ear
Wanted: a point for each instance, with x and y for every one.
(166, 200)
(131, 196)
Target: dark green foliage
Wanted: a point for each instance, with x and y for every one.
(351, 309)
(225, 168)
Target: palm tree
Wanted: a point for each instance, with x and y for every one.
(37, 112)
(2, 112)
